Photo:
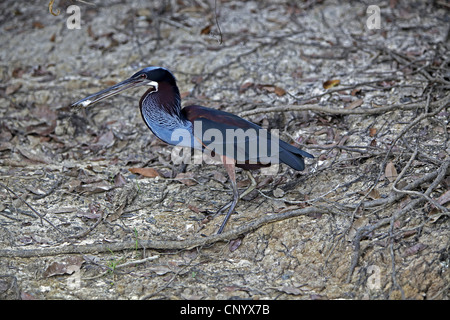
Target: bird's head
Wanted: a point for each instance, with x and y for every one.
(150, 76)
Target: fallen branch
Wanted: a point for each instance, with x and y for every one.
(312, 107)
(160, 244)
(361, 232)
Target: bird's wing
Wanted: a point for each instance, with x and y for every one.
(246, 142)
(227, 134)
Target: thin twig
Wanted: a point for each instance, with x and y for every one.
(34, 210)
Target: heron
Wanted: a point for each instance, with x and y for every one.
(235, 141)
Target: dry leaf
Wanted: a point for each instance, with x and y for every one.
(331, 83)
(220, 177)
(68, 265)
(358, 223)
(390, 172)
(12, 88)
(27, 296)
(33, 155)
(279, 91)
(355, 104)
(186, 178)
(444, 198)
(372, 132)
(374, 194)
(119, 180)
(234, 244)
(278, 193)
(146, 172)
(245, 86)
(18, 73)
(291, 290)
(272, 89)
(414, 249)
(160, 270)
(106, 140)
(95, 187)
(38, 25)
(355, 91)
(194, 208)
(206, 30)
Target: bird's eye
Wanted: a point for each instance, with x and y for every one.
(143, 76)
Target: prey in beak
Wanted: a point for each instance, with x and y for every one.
(133, 82)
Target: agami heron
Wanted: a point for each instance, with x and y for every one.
(236, 141)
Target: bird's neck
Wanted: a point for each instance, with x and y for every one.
(166, 99)
(161, 111)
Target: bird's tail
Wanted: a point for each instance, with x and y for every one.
(293, 156)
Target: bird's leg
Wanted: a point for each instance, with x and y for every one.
(243, 194)
(230, 167)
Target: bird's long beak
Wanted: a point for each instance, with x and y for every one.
(115, 89)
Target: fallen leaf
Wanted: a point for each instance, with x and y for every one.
(106, 140)
(444, 198)
(374, 194)
(67, 266)
(390, 172)
(245, 86)
(279, 91)
(119, 180)
(290, 290)
(372, 132)
(414, 249)
(38, 25)
(243, 183)
(33, 155)
(355, 91)
(278, 193)
(88, 215)
(331, 83)
(206, 30)
(272, 89)
(116, 214)
(27, 296)
(234, 244)
(358, 223)
(186, 178)
(12, 88)
(95, 187)
(146, 172)
(220, 177)
(194, 208)
(18, 73)
(160, 270)
(355, 104)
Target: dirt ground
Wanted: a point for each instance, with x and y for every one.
(366, 90)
